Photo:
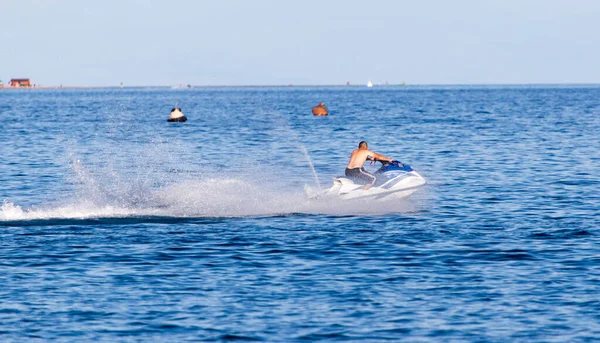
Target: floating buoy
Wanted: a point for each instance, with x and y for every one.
(176, 116)
(320, 110)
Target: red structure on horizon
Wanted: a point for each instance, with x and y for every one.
(20, 83)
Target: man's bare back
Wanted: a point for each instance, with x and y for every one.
(358, 158)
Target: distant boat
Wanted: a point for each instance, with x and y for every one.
(181, 86)
(369, 84)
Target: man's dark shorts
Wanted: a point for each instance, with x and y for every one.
(359, 174)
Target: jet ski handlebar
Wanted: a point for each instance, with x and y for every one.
(392, 166)
(386, 163)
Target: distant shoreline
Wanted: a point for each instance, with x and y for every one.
(483, 85)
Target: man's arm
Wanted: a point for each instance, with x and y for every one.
(381, 157)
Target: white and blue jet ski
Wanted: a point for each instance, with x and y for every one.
(394, 181)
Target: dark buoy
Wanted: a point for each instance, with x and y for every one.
(320, 110)
(176, 116)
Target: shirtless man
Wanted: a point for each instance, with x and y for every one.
(358, 158)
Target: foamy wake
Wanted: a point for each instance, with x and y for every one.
(10, 211)
(199, 198)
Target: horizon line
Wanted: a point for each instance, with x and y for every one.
(189, 86)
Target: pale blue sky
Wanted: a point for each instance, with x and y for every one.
(236, 42)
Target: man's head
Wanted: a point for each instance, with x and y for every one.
(363, 145)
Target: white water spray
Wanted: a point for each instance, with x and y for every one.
(312, 167)
(283, 123)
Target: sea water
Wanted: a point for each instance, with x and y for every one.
(116, 226)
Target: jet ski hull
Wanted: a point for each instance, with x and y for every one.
(399, 187)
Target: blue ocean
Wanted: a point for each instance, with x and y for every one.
(116, 226)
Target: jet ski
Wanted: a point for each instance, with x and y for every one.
(395, 180)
